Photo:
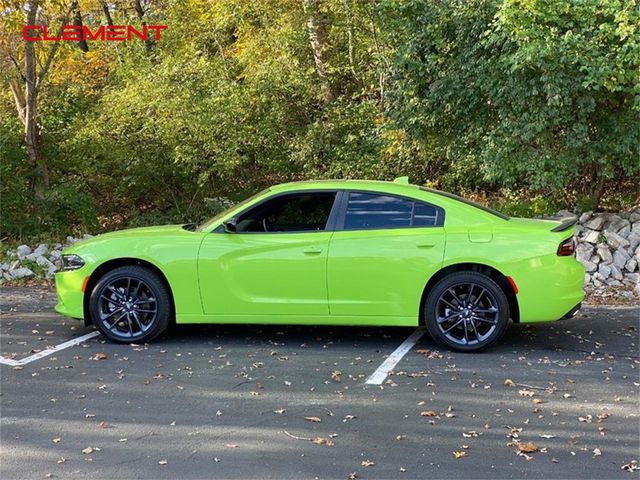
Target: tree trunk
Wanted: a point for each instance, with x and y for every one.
(77, 22)
(598, 185)
(107, 13)
(317, 31)
(137, 6)
(40, 180)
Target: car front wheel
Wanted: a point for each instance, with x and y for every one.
(466, 312)
(130, 304)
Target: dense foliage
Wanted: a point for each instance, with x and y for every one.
(527, 103)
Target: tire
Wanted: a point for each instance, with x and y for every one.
(141, 315)
(466, 312)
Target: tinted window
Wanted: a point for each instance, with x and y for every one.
(370, 211)
(425, 215)
(300, 212)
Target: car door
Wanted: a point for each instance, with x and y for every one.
(382, 254)
(274, 263)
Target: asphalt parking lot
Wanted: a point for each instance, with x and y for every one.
(557, 400)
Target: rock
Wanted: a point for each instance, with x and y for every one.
(596, 222)
(631, 265)
(616, 273)
(52, 270)
(634, 217)
(615, 240)
(634, 240)
(38, 252)
(614, 223)
(591, 236)
(604, 271)
(620, 258)
(624, 231)
(614, 283)
(7, 276)
(43, 261)
(584, 217)
(70, 240)
(636, 227)
(636, 290)
(21, 273)
(23, 251)
(589, 266)
(54, 255)
(595, 259)
(633, 277)
(584, 251)
(604, 253)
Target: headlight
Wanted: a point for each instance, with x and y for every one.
(71, 262)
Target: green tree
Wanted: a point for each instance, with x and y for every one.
(522, 92)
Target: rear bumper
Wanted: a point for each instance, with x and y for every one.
(551, 289)
(572, 313)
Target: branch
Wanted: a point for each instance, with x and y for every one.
(17, 65)
(54, 49)
(18, 96)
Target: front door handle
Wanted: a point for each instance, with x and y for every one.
(312, 250)
(425, 244)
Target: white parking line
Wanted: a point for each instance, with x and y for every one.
(392, 360)
(48, 351)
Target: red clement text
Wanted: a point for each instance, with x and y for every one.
(76, 33)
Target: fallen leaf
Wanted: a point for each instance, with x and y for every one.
(163, 462)
(538, 401)
(547, 436)
(596, 452)
(56, 440)
(428, 413)
(88, 450)
(336, 376)
(99, 356)
(231, 445)
(280, 411)
(313, 419)
(509, 382)
(368, 463)
(323, 441)
(526, 393)
(528, 447)
(459, 454)
(632, 466)
(352, 476)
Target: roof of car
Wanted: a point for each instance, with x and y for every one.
(341, 183)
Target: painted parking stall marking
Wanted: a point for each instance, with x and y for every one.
(392, 360)
(48, 351)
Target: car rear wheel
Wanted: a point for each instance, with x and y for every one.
(130, 304)
(466, 312)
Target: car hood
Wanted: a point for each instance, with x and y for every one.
(139, 232)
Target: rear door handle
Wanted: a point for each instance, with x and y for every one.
(312, 250)
(425, 244)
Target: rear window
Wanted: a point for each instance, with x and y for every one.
(467, 202)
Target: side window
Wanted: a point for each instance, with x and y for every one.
(298, 212)
(376, 211)
(370, 210)
(425, 215)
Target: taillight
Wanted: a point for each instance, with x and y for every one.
(567, 248)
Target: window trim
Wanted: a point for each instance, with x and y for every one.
(329, 226)
(342, 218)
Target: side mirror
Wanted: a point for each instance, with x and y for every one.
(230, 225)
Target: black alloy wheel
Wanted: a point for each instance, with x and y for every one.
(466, 311)
(130, 304)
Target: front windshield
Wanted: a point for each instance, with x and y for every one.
(209, 223)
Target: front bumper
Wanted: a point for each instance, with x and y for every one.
(70, 294)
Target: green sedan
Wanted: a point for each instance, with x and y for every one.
(330, 253)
